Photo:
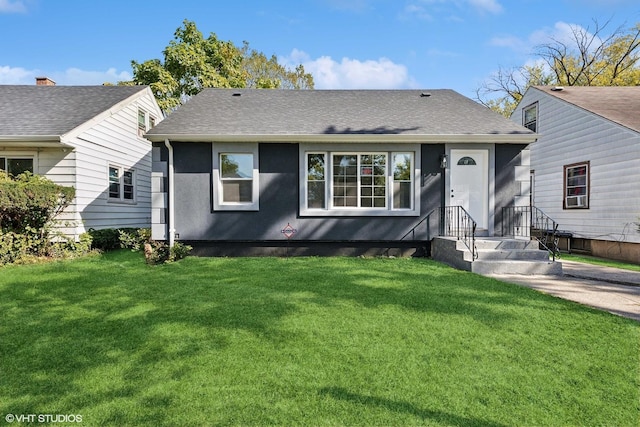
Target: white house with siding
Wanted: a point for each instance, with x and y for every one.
(585, 165)
(87, 137)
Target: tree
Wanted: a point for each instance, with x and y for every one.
(585, 59)
(192, 62)
(268, 73)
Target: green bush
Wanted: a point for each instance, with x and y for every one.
(29, 203)
(160, 252)
(106, 239)
(134, 239)
(28, 207)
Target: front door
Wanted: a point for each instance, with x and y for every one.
(469, 183)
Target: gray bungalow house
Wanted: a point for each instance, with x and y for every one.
(87, 137)
(585, 167)
(246, 171)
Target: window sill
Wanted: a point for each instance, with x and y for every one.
(121, 202)
(358, 212)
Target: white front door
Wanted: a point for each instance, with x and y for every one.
(469, 183)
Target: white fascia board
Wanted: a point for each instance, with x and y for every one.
(356, 138)
(32, 141)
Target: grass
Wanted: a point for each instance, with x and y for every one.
(306, 341)
(601, 261)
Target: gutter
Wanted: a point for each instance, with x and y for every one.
(505, 138)
(170, 209)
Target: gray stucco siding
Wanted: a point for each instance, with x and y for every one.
(195, 219)
(507, 187)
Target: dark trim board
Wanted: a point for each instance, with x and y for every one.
(283, 248)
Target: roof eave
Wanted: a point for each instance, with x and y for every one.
(32, 141)
(500, 138)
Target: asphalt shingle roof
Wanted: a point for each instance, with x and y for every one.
(246, 112)
(620, 104)
(55, 110)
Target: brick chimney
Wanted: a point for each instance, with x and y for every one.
(44, 81)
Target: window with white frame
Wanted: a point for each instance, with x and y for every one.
(530, 117)
(121, 184)
(576, 186)
(236, 177)
(16, 165)
(145, 122)
(368, 182)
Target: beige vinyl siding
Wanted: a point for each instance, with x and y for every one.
(571, 135)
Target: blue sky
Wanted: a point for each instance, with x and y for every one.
(345, 44)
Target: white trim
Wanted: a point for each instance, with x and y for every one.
(121, 171)
(333, 149)
(218, 204)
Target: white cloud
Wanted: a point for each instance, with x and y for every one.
(352, 73)
(72, 76)
(16, 76)
(12, 6)
(76, 76)
(491, 6)
(560, 32)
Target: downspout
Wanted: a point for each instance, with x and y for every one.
(170, 209)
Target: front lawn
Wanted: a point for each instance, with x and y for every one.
(306, 341)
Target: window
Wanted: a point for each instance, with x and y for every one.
(530, 117)
(121, 184)
(235, 176)
(364, 182)
(142, 122)
(576, 186)
(145, 122)
(15, 166)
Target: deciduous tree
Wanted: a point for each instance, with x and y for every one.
(192, 62)
(585, 58)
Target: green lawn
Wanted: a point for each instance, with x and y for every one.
(600, 261)
(306, 341)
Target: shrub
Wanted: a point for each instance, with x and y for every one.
(29, 203)
(106, 239)
(134, 239)
(28, 207)
(160, 252)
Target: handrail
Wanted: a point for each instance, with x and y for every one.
(531, 222)
(452, 221)
(456, 222)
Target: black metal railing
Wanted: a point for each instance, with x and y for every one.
(450, 221)
(531, 222)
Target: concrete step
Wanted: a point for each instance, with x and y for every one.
(517, 267)
(514, 254)
(496, 256)
(499, 243)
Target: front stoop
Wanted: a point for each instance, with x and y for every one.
(496, 255)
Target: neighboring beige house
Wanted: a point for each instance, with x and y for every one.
(585, 166)
(87, 137)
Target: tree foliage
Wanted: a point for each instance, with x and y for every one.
(192, 62)
(586, 58)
